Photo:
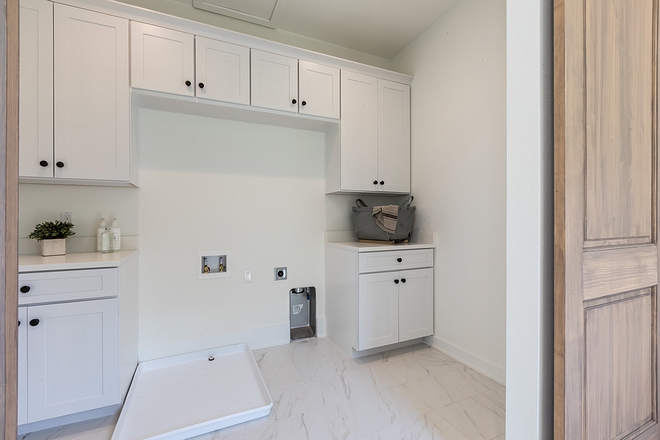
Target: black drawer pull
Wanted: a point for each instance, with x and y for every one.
(34, 322)
(399, 260)
(25, 289)
(396, 281)
(403, 280)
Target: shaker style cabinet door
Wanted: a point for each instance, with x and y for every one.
(22, 366)
(222, 71)
(318, 89)
(36, 89)
(415, 304)
(359, 132)
(378, 304)
(162, 59)
(91, 95)
(72, 357)
(274, 81)
(393, 137)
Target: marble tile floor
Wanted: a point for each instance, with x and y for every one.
(320, 393)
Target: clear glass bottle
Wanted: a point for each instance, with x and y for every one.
(107, 241)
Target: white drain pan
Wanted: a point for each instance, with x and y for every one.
(183, 396)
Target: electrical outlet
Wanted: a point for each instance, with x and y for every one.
(247, 276)
(280, 273)
(66, 217)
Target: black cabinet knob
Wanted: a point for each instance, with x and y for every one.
(34, 322)
(201, 85)
(188, 83)
(19, 323)
(293, 101)
(375, 182)
(44, 163)
(399, 260)
(396, 281)
(403, 280)
(382, 183)
(304, 103)
(25, 289)
(59, 164)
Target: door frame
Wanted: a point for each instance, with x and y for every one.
(9, 61)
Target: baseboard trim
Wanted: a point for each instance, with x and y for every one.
(488, 369)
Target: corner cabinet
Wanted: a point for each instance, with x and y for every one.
(373, 155)
(377, 297)
(75, 94)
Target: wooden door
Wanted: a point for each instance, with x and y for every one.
(606, 219)
(162, 59)
(393, 137)
(92, 96)
(274, 81)
(378, 305)
(73, 357)
(222, 71)
(318, 90)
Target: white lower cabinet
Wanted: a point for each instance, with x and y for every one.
(394, 307)
(69, 354)
(377, 297)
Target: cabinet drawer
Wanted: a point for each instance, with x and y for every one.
(39, 287)
(395, 260)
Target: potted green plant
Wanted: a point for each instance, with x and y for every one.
(52, 236)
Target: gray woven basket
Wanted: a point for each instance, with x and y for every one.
(367, 229)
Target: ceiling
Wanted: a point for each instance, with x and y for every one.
(377, 27)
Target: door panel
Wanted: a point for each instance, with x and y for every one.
(378, 316)
(606, 254)
(415, 304)
(224, 69)
(274, 81)
(619, 347)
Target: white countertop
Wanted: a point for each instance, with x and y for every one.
(342, 240)
(79, 260)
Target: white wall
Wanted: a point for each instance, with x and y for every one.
(529, 393)
(210, 184)
(459, 174)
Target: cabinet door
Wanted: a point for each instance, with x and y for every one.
(415, 304)
(73, 357)
(274, 81)
(393, 136)
(223, 71)
(22, 365)
(359, 136)
(91, 95)
(162, 59)
(378, 303)
(318, 89)
(36, 89)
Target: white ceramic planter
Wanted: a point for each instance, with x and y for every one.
(53, 247)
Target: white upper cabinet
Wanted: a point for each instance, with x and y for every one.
(393, 136)
(175, 62)
(284, 83)
(162, 59)
(318, 89)
(373, 154)
(36, 89)
(274, 81)
(222, 71)
(92, 95)
(359, 132)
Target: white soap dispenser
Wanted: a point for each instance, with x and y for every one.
(116, 235)
(99, 231)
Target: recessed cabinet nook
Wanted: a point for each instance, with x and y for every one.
(86, 68)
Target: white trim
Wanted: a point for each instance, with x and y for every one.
(488, 369)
